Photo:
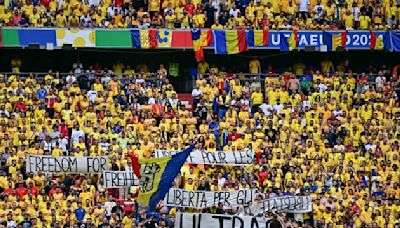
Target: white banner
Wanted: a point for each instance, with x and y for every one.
(289, 204)
(119, 179)
(204, 199)
(62, 164)
(184, 220)
(244, 157)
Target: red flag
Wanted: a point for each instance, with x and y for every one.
(135, 164)
(373, 40)
(344, 38)
(153, 38)
(266, 37)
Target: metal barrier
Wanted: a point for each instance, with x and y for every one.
(63, 75)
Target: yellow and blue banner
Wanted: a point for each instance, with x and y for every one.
(289, 43)
(144, 38)
(157, 175)
(164, 38)
(335, 40)
(258, 38)
(228, 42)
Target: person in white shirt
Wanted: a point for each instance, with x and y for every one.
(337, 111)
(322, 87)
(319, 12)
(109, 205)
(78, 67)
(63, 142)
(151, 101)
(278, 107)
(76, 134)
(86, 20)
(111, 10)
(221, 180)
(70, 79)
(196, 94)
(234, 11)
(356, 13)
(173, 100)
(107, 78)
(92, 94)
(303, 7)
(266, 108)
(380, 80)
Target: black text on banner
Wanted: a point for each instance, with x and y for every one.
(63, 164)
(244, 157)
(119, 179)
(205, 199)
(184, 220)
(289, 204)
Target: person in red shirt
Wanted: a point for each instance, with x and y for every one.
(34, 190)
(129, 204)
(51, 100)
(189, 7)
(20, 105)
(263, 174)
(63, 129)
(8, 191)
(363, 78)
(21, 190)
(158, 110)
(118, 3)
(233, 136)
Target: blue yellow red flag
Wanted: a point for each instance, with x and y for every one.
(144, 38)
(289, 43)
(258, 38)
(335, 40)
(200, 39)
(229, 42)
(157, 175)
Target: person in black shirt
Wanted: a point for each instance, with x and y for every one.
(220, 209)
(204, 186)
(151, 223)
(274, 222)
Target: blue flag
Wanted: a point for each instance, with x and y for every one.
(157, 175)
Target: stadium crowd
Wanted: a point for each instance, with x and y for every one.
(328, 133)
(259, 14)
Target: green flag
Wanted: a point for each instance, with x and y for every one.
(112, 38)
(10, 37)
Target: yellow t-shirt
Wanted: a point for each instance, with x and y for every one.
(254, 66)
(257, 98)
(364, 22)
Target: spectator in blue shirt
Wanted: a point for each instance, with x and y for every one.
(80, 212)
(42, 92)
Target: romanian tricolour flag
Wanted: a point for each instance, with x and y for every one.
(229, 42)
(376, 41)
(333, 41)
(258, 38)
(157, 175)
(144, 38)
(200, 39)
(290, 43)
